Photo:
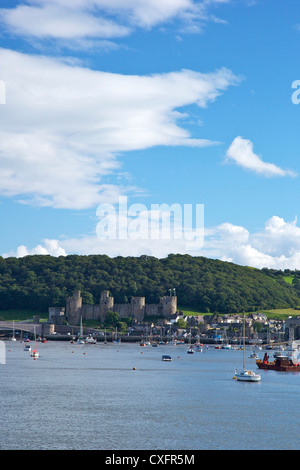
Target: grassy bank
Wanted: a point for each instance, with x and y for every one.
(22, 315)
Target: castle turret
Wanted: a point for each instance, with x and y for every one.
(106, 304)
(74, 307)
(138, 308)
(168, 305)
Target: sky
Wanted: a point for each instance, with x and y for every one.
(185, 104)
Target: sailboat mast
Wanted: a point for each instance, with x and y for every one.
(244, 343)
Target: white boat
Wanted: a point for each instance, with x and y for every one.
(35, 354)
(80, 340)
(90, 340)
(253, 355)
(27, 347)
(226, 346)
(246, 375)
(13, 336)
(190, 349)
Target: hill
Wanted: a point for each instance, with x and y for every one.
(39, 281)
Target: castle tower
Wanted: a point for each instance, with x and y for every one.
(106, 304)
(168, 305)
(138, 308)
(74, 307)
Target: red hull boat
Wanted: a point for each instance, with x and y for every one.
(281, 363)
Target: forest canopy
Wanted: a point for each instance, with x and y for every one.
(40, 281)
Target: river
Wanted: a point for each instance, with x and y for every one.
(124, 397)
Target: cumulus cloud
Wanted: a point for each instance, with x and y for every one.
(49, 247)
(241, 152)
(64, 126)
(276, 245)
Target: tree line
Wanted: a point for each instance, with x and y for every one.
(40, 281)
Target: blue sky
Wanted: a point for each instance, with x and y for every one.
(170, 101)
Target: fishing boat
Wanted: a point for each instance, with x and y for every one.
(246, 375)
(282, 362)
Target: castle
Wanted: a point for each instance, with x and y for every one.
(137, 309)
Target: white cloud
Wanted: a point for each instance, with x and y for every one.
(49, 247)
(59, 22)
(102, 19)
(64, 125)
(241, 152)
(276, 246)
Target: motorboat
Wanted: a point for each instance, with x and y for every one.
(165, 357)
(247, 376)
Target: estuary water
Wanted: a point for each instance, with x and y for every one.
(124, 397)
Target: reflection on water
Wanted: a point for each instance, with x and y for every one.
(90, 397)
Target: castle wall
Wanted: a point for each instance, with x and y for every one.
(124, 310)
(153, 310)
(136, 309)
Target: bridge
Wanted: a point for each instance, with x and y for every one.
(26, 327)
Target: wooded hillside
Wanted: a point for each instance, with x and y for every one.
(41, 281)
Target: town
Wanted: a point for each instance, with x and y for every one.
(162, 322)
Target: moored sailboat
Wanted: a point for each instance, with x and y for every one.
(34, 353)
(246, 375)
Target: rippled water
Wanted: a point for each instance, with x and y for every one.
(90, 397)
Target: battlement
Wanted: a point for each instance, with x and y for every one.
(137, 308)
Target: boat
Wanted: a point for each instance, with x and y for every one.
(282, 363)
(245, 375)
(90, 340)
(165, 357)
(190, 349)
(34, 353)
(253, 355)
(226, 346)
(80, 339)
(27, 347)
(13, 338)
(117, 338)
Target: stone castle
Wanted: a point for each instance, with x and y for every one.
(136, 309)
